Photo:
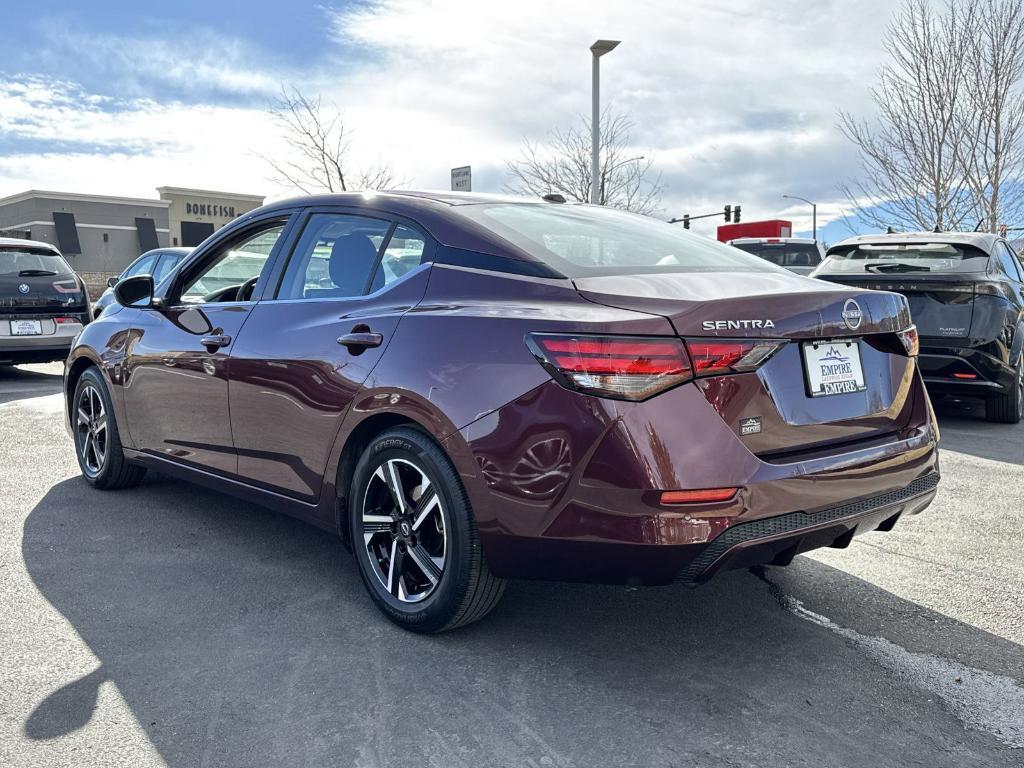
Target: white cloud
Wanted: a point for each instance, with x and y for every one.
(737, 103)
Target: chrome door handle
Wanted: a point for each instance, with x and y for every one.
(360, 341)
(213, 343)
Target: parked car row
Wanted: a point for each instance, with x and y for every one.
(471, 388)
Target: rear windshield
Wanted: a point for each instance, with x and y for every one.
(26, 262)
(897, 258)
(784, 254)
(583, 241)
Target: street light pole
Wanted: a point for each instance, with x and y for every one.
(598, 49)
(814, 213)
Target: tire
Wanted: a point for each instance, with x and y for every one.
(418, 551)
(97, 441)
(1008, 408)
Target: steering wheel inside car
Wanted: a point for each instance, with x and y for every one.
(245, 289)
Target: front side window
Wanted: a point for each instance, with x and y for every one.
(580, 241)
(233, 272)
(26, 262)
(897, 258)
(334, 257)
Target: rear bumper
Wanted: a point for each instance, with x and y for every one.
(940, 367)
(772, 540)
(36, 349)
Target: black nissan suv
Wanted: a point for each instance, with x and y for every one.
(966, 295)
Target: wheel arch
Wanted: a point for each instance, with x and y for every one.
(73, 374)
(355, 443)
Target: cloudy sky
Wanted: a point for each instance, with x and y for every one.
(736, 101)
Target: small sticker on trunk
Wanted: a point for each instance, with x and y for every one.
(750, 425)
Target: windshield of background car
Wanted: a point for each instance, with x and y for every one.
(784, 254)
(898, 258)
(15, 261)
(580, 241)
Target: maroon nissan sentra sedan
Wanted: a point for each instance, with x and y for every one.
(473, 388)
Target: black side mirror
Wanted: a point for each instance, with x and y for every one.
(112, 281)
(135, 291)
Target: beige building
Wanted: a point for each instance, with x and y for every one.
(100, 235)
(195, 214)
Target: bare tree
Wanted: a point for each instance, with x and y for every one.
(562, 165)
(993, 151)
(912, 168)
(319, 144)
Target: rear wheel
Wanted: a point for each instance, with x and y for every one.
(97, 441)
(1008, 408)
(415, 538)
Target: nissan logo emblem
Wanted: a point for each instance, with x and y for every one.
(23, 288)
(852, 314)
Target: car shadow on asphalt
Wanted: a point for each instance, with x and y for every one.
(241, 637)
(23, 383)
(964, 429)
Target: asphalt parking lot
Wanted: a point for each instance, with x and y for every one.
(170, 625)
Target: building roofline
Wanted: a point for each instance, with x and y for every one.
(210, 193)
(83, 197)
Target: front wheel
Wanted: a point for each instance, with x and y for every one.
(1008, 408)
(97, 440)
(415, 538)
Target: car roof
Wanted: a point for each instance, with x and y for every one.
(15, 241)
(436, 212)
(984, 241)
(773, 240)
(414, 198)
(171, 249)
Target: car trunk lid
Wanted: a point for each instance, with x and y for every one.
(772, 409)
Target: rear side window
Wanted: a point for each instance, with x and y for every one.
(334, 258)
(1007, 262)
(581, 241)
(784, 254)
(403, 254)
(26, 262)
(894, 258)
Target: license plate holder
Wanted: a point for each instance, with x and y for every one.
(833, 367)
(26, 328)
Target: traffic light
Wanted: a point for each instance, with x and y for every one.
(736, 214)
(728, 213)
(686, 221)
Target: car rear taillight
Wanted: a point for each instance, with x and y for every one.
(621, 367)
(67, 286)
(910, 340)
(713, 357)
(63, 320)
